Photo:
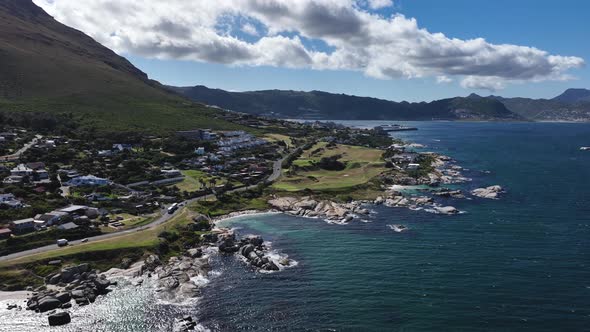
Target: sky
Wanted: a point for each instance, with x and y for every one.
(414, 50)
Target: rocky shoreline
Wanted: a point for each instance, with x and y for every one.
(338, 213)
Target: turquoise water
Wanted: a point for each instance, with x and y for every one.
(517, 264)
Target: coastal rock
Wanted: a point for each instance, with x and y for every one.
(151, 263)
(60, 318)
(450, 193)
(446, 209)
(491, 192)
(195, 252)
(48, 303)
(379, 200)
(63, 297)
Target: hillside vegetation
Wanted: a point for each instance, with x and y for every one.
(48, 67)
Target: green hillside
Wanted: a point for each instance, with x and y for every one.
(51, 68)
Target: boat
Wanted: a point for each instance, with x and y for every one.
(585, 148)
(398, 228)
(394, 127)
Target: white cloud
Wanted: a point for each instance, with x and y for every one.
(378, 4)
(357, 40)
(483, 83)
(250, 29)
(443, 79)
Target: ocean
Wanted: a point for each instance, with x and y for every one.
(520, 263)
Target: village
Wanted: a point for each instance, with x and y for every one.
(73, 188)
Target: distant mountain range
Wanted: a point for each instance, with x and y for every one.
(323, 105)
(572, 105)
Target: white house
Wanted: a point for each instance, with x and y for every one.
(89, 180)
(21, 170)
(200, 151)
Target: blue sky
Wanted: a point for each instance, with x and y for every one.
(558, 28)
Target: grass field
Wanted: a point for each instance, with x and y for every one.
(362, 164)
(191, 180)
(279, 138)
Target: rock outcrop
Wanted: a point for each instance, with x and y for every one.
(311, 208)
(78, 282)
(491, 192)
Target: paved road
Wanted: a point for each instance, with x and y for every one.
(277, 170)
(17, 154)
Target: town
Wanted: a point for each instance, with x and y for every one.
(63, 186)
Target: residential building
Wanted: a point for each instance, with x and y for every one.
(75, 209)
(21, 170)
(10, 201)
(5, 233)
(89, 180)
(50, 218)
(22, 226)
(200, 151)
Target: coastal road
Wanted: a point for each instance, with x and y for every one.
(17, 154)
(277, 171)
(160, 220)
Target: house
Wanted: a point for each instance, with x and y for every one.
(50, 218)
(75, 209)
(5, 233)
(67, 226)
(13, 179)
(413, 167)
(170, 173)
(21, 170)
(23, 225)
(200, 151)
(89, 180)
(10, 201)
(36, 166)
(198, 134)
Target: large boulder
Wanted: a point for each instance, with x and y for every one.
(48, 303)
(60, 318)
(63, 297)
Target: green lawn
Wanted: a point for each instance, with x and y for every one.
(362, 164)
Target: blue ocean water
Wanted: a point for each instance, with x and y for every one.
(521, 263)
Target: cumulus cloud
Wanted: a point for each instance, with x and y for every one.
(378, 4)
(286, 31)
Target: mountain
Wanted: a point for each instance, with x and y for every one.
(572, 96)
(48, 67)
(569, 106)
(324, 105)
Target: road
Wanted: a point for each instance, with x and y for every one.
(17, 154)
(277, 170)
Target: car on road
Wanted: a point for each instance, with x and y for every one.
(84, 240)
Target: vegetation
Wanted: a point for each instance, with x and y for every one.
(227, 203)
(361, 165)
